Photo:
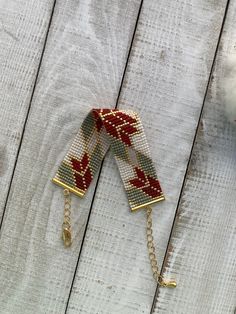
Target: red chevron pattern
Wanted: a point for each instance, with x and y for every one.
(82, 174)
(147, 184)
(122, 130)
(116, 123)
(80, 165)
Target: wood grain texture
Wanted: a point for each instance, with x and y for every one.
(82, 68)
(23, 28)
(203, 245)
(165, 82)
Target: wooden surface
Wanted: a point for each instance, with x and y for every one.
(58, 60)
(203, 242)
(23, 30)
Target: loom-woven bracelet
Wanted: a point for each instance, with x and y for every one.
(121, 130)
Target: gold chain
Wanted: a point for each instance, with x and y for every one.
(66, 226)
(152, 256)
(67, 238)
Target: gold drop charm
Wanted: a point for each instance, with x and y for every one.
(66, 226)
(66, 237)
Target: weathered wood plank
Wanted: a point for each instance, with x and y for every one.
(82, 68)
(165, 81)
(202, 250)
(23, 28)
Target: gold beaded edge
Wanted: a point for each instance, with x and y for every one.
(158, 199)
(73, 190)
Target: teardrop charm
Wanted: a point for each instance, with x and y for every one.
(66, 237)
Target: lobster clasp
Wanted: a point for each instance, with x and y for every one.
(168, 283)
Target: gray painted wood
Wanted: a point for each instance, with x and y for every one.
(23, 28)
(165, 82)
(83, 64)
(203, 244)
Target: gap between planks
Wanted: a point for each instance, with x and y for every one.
(118, 96)
(27, 113)
(154, 303)
(100, 170)
(26, 119)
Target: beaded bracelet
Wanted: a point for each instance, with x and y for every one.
(121, 130)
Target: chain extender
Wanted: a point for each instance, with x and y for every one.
(152, 255)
